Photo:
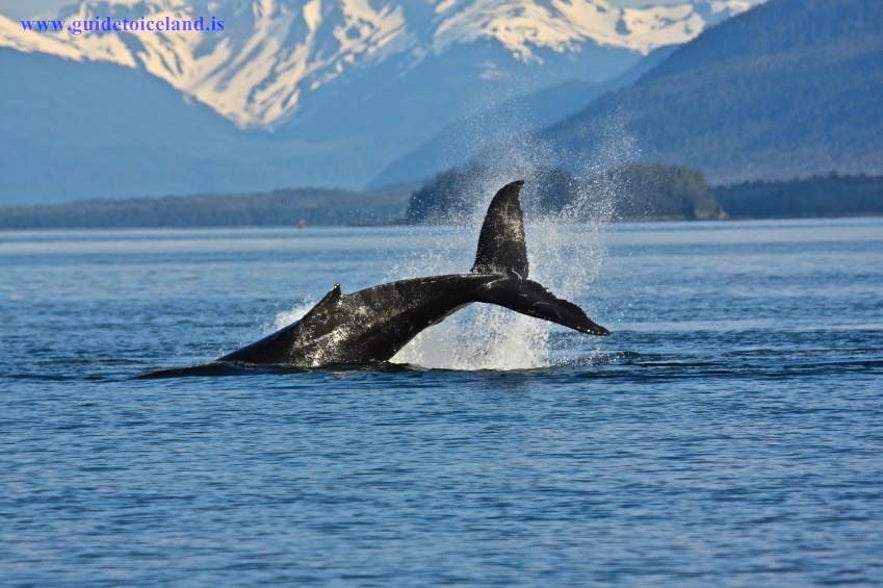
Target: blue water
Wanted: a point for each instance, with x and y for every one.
(729, 432)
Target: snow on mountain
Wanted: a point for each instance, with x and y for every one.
(254, 73)
(272, 53)
(565, 25)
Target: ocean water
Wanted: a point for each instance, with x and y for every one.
(728, 433)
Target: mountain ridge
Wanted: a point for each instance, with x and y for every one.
(150, 138)
(790, 89)
(510, 120)
(272, 53)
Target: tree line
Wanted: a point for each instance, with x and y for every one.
(636, 191)
(643, 191)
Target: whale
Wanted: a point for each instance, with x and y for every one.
(372, 325)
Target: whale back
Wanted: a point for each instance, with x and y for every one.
(277, 347)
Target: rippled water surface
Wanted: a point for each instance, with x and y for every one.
(729, 432)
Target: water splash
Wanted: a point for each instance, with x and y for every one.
(286, 317)
(564, 255)
(566, 251)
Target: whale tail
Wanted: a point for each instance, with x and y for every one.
(502, 250)
(501, 246)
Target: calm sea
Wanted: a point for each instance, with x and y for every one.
(728, 433)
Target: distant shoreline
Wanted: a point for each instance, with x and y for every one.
(829, 196)
(528, 223)
(638, 221)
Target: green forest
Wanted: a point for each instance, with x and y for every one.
(641, 191)
(831, 195)
(302, 207)
(630, 192)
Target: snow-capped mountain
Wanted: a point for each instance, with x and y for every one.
(273, 54)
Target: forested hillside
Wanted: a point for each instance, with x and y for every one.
(278, 208)
(792, 88)
(628, 192)
(830, 195)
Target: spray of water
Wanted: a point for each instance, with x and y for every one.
(566, 251)
(564, 255)
(286, 317)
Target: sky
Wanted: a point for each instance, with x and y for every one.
(20, 9)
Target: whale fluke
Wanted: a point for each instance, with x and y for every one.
(534, 299)
(502, 250)
(501, 245)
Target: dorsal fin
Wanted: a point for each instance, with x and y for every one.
(327, 301)
(501, 247)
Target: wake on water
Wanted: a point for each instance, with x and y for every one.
(565, 257)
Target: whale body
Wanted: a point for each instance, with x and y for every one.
(373, 324)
